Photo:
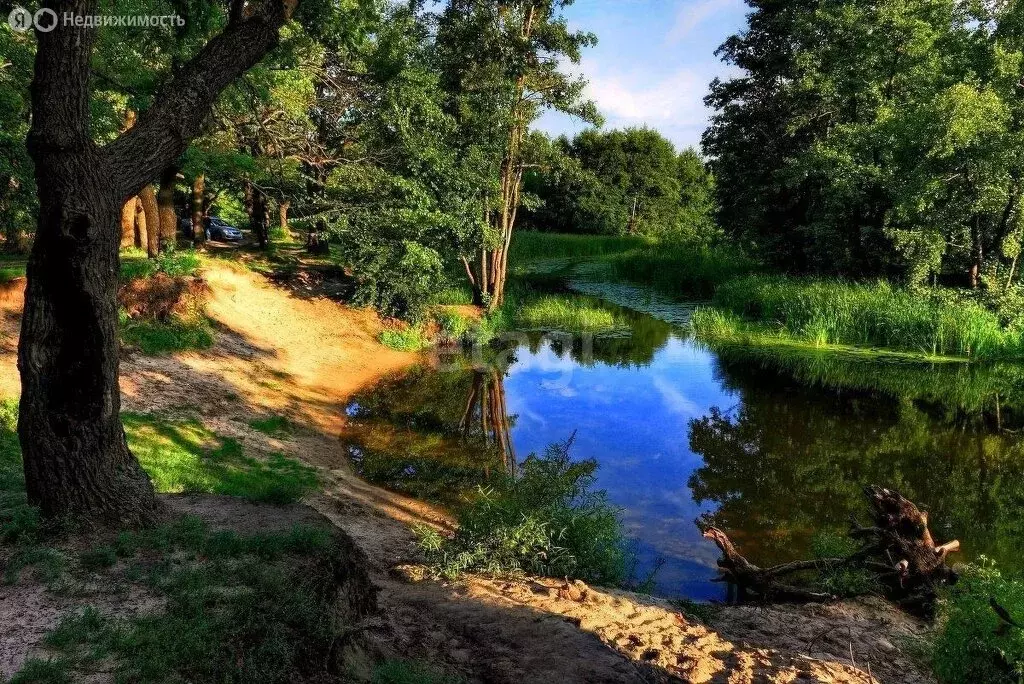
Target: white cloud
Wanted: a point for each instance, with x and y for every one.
(693, 14)
(676, 401)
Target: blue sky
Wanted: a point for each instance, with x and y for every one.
(653, 62)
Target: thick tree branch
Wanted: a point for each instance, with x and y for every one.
(164, 131)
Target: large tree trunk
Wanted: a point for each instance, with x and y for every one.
(77, 464)
(152, 212)
(165, 205)
(260, 219)
(198, 210)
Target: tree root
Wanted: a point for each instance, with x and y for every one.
(898, 549)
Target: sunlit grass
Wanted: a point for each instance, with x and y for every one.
(570, 313)
(411, 339)
(532, 245)
(154, 338)
(185, 456)
(829, 312)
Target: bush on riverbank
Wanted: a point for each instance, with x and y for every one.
(681, 270)
(974, 644)
(546, 521)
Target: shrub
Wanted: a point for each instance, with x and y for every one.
(547, 521)
(974, 644)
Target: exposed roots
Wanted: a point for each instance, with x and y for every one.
(898, 549)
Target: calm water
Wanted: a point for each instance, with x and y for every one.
(773, 447)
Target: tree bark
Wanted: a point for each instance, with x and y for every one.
(141, 234)
(260, 219)
(128, 223)
(198, 210)
(151, 210)
(165, 206)
(282, 215)
(76, 459)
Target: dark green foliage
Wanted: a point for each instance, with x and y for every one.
(36, 671)
(974, 644)
(135, 264)
(97, 558)
(623, 182)
(546, 520)
(685, 271)
(19, 522)
(876, 139)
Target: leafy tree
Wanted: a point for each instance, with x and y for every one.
(880, 138)
(77, 462)
(500, 64)
(623, 182)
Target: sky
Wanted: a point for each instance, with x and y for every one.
(652, 64)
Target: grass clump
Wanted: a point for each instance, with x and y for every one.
(154, 338)
(532, 245)
(275, 426)
(548, 520)
(19, 522)
(836, 578)
(824, 312)
(569, 313)
(184, 456)
(681, 270)
(973, 643)
(408, 672)
(411, 338)
(136, 264)
(239, 608)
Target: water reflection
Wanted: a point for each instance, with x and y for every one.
(770, 446)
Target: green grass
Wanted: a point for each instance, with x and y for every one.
(546, 521)
(680, 270)
(239, 608)
(179, 333)
(569, 313)
(154, 338)
(411, 339)
(185, 456)
(533, 246)
(136, 264)
(827, 312)
(275, 426)
(407, 672)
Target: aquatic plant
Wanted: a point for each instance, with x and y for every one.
(939, 322)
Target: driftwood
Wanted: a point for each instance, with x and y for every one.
(898, 548)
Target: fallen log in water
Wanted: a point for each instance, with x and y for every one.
(898, 548)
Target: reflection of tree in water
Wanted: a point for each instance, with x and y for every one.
(436, 435)
(486, 416)
(790, 460)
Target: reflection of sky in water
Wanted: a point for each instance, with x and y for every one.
(634, 422)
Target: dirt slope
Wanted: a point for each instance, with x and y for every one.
(281, 351)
